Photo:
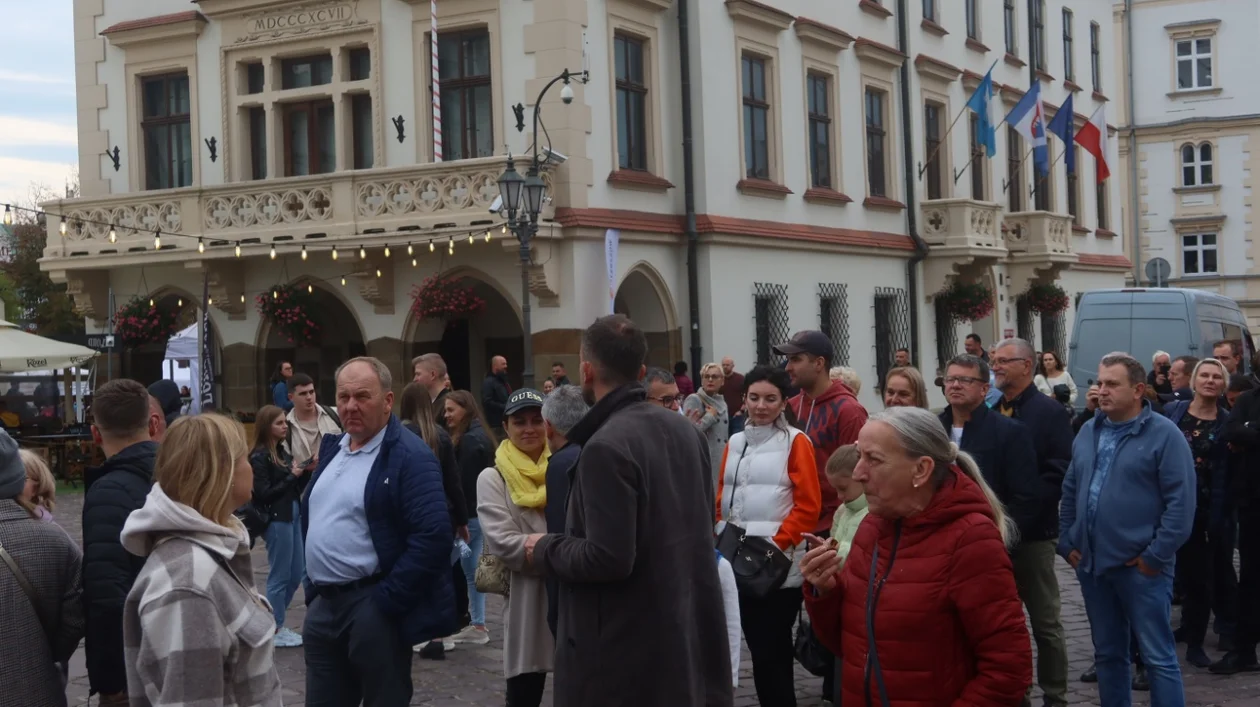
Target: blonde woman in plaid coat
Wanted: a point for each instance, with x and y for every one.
(196, 631)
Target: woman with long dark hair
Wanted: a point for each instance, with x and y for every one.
(1054, 375)
(278, 486)
(474, 452)
(280, 386)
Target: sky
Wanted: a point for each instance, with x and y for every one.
(38, 134)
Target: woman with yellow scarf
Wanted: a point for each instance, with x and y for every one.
(511, 503)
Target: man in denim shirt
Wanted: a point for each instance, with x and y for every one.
(1128, 504)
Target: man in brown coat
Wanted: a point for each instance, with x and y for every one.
(641, 619)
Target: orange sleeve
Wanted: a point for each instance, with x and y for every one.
(806, 494)
(721, 483)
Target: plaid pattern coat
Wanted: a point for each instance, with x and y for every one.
(196, 632)
(53, 565)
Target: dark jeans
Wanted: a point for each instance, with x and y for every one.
(354, 653)
(1225, 581)
(1248, 580)
(461, 594)
(1194, 565)
(526, 689)
(767, 624)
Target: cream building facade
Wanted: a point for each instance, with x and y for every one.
(1195, 130)
(275, 125)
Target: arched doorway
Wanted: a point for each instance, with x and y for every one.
(341, 340)
(466, 344)
(144, 363)
(643, 297)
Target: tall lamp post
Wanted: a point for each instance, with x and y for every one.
(523, 199)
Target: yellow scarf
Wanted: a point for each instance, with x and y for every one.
(526, 479)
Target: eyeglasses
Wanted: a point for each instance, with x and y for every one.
(961, 380)
(668, 400)
(1007, 361)
(712, 377)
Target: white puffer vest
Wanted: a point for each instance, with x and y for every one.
(757, 493)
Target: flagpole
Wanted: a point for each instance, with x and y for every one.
(945, 138)
(1049, 171)
(1006, 183)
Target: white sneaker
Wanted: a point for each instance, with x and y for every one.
(473, 635)
(287, 638)
(448, 643)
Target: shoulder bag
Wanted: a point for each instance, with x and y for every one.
(492, 576)
(760, 566)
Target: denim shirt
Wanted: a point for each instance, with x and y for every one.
(1108, 443)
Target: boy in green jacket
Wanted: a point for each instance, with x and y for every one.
(852, 495)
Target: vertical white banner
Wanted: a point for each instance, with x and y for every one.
(612, 239)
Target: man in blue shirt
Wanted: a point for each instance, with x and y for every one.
(1128, 504)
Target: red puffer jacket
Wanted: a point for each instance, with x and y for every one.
(948, 624)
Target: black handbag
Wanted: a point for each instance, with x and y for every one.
(810, 653)
(760, 566)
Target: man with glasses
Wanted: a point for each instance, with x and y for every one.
(662, 389)
(1002, 447)
(1014, 365)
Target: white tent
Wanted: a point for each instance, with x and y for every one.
(20, 351)
(183, 347)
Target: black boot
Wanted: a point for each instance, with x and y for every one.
(1235, 662)
(1090, 674)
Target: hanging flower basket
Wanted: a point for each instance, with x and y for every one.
(444, 298)
(966, 302)
(293, 312)
(1046, 299)
(138, 323)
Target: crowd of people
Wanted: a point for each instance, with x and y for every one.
(638, 526)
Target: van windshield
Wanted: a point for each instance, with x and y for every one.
(1140, 338)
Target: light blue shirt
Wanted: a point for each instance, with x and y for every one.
(339, 545)
(1110, 435)
(994, 395)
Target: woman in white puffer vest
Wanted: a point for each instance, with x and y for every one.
(769, 487)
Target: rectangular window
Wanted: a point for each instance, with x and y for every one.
(1095, 57)
(631, 104)
(932, 137)
(876, 139)
(1069, 62)
(258, 142)
(1014, 164)
(770, 320)
(361, 117)
(360, 64)
(1041, 185)
(1194, 63)
(167, 129)
(1100, 196)
(978, 157)
(929, 10)
(819, 89)
(310, 138)
(467, 105)
(833, 317)
(1039, 35)
(254, 81)
(973, 19)
(1198, 254)
(306, 71)
(1196, 165)
(1010, 27)
(756, 119)
(1073, 185)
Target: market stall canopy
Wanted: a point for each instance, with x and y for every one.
(20, 351)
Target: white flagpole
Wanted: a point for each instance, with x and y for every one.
(437, 89)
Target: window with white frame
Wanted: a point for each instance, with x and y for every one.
(929, 10)
(1069, 61)
(1038, 55)
(1198, 254)
(1095, 56)
(1196, 165)
(1194, 63)
(973, 19)
(1010, 27)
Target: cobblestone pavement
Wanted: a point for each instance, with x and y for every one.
(472, 676)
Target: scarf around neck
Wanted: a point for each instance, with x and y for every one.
(526, 479)
(718, 403)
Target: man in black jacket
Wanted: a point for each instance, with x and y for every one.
(1242, 433)
(1002, 447)
(494, 395)
(124, 424)
(563, 408)
(1034, 558)
(636, 562)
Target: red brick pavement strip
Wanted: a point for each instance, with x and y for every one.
(472, 675)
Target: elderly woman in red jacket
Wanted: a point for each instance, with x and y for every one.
(927, 596)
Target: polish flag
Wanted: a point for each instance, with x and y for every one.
(1093, 137)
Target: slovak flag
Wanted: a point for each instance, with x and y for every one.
(1093, 137)
(1028, 117)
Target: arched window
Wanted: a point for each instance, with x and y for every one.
(1196, 165)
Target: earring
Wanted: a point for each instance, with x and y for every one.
(916, 484)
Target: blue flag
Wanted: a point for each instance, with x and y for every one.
(1028, 119)
(1064, 126)
(979, 102)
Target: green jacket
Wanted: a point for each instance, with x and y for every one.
(846, 524)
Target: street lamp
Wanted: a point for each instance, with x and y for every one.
(523, 199)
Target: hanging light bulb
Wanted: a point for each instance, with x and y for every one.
(201, 246)
(113, 235)
(334, 252)
(310, 289)
(157, 240)
(275, 294)
(273, 252)
(410, 250)
(63, 228)
(386, 251)
(362, 253)
(430, 246)
(238, 250)
(378, 272)
(209, 301)
(343, 280)
(504, 229)
(150, 301)
(8, 215)
(303, 252)
(487, 236)
(470, 239)
(450, 245)
(179, 302)
(242, 298)
(413, 262)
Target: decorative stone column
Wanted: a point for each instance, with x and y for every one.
(391, 353)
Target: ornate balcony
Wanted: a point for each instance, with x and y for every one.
(964, 240)
(346, 209)
(1040, 244)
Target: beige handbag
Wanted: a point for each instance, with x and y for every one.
(492, 577)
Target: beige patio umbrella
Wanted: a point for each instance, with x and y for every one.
(20, 351)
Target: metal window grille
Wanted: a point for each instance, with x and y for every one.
(833, 316)
(946, 336)
(1024, 321)
(892, 327)
(770, 315)
(1054, 333)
